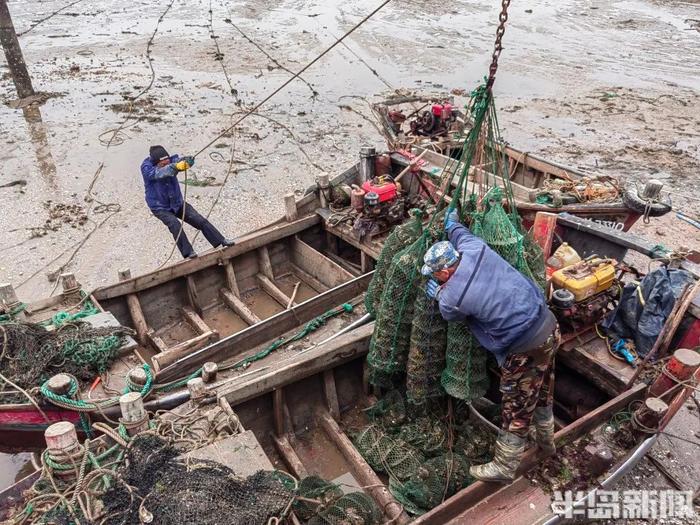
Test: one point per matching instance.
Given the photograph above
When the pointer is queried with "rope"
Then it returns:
(69, 402)
(309, 327)
(295, 76)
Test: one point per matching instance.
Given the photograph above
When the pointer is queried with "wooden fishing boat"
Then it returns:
(303, 405)
(235, 301)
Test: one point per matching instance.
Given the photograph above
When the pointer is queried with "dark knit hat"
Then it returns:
(157, 153)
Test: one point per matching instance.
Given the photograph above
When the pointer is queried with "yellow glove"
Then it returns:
(181, 166)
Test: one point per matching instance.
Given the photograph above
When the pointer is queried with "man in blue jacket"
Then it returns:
(164, 198)
(508, 315)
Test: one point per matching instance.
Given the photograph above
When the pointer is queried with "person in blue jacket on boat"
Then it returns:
(508, 315)
(163, 196)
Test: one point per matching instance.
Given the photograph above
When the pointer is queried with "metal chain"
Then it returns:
(502, 18)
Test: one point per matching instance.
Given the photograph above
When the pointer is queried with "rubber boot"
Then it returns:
(543, 421)
(509, 451)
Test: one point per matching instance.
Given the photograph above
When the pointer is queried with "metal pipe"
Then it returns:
(359, 322)
(367, 155)
(623, 469)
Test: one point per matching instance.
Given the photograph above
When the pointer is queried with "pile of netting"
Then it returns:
(31, 354)
(425, 456)
(412, 347)
(155, 485)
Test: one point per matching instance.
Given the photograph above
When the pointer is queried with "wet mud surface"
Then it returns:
(609, 87)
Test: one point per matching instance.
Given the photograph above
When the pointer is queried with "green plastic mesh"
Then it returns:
(316, 494)
(465, 375)
(427, 434)
(388, 349)
(426, 354)
(437, 479)
(474, 442)
(400, 237)
(388, 454)
(389, 411)
(355, 508)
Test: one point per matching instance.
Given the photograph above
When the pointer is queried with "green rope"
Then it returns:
(167, 387)
(68, 401)
(309, 327)
(62, 318)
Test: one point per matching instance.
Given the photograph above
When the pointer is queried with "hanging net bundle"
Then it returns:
(388, 454)
(465, 375)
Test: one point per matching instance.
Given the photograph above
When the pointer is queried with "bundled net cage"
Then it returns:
(316, 494)
(474, 442)
(437, 479)
(465, 375)
(400, 237)
(426, 354)
(386, 453)
(356, 508)
(31, 354)
(428, 434)
(388, 349)
(156, 487)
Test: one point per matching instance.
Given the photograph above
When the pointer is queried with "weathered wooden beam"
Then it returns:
(238, 306)
(344, 348)
(195, 321)
(362, 471)
(331, 394)
(290, 207)
(366, 263)
(265, 263)
(155, 340)
(244, 244)
(309, 279)
(278, 411)
(271, 328)
(289, 456)
(272, 290)
(311, 260)
(231, 281)
(192, 295)
(163, 359)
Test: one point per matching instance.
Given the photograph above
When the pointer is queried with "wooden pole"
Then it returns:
(13, 53)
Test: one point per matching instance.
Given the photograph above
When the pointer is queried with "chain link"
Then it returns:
(502, 19)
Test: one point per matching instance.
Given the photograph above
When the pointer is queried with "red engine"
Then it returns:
(384, 188)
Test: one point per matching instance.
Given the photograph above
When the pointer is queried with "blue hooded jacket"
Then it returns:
(502, 307)
(162, 187)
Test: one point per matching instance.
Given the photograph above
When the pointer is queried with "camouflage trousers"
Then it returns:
(527, 382)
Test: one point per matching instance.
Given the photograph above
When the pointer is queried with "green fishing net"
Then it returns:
(465, 375)
(436, 480)
(426, 354)
(355, 508)
(400, 237)
(386, 453)
(316, 493)
(388, 349)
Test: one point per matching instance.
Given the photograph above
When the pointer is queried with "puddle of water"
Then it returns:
(14, 467)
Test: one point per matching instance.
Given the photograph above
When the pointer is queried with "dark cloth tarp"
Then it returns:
(640, 320)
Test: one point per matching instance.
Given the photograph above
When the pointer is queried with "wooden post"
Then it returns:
(331, 393)
(209, 371)
(290, 207)
(323, 186)
(192, 295)
(13, 53)
(265, 264)
(135, 311)
(231, 281)
(9, 300)
(59, 384)
(648, 416)
(138, 376)
(69, 284)
(197, 389)
(134, 415)
(278, 411)
(61, 437)
(366, 263)
(680, 367)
